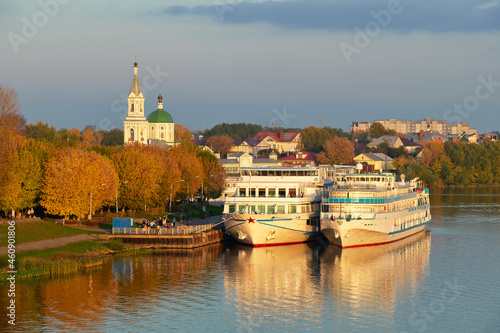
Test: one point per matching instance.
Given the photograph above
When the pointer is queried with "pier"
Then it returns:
(180, 237)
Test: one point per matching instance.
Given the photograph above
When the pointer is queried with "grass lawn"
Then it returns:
(95, 245)
(39, 230)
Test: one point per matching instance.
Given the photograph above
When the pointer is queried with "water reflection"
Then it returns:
(368, 281)
(265, 283)
(130, 287)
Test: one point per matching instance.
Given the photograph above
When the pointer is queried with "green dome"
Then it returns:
(160, 116)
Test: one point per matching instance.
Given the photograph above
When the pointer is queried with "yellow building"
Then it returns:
(374, 161)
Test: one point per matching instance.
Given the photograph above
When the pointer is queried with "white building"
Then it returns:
(159, 125)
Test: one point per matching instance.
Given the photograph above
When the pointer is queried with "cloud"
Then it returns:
(424, 15)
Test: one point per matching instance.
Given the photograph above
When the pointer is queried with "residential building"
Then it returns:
(282, 142)
(301, 158)
(487, 137)
(423, 138)
(235, 161)
(393, 141)
(413, 126)
(374, 161)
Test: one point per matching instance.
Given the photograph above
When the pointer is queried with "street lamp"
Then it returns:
(202, 195)
(171, 189)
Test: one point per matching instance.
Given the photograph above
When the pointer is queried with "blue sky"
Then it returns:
(286, 63)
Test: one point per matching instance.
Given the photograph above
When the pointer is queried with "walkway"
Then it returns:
(47, 243)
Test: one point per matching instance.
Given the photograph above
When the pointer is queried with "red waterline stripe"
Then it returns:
(373, 244)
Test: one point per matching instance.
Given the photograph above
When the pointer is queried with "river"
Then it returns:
(446, 279)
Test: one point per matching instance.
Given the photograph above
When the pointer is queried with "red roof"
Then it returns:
(280, 137)
(306, 156)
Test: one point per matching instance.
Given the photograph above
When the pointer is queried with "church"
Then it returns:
(157, 128)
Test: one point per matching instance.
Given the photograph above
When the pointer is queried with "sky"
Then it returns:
(285, 63)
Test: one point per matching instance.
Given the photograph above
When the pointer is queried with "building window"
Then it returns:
(162, 135)
(161, 128)
(132, 138)
(132, 107)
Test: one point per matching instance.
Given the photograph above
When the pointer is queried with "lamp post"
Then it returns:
(202, 194)
(171, 189)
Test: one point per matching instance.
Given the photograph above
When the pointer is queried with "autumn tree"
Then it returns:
(338, 150)
(182, 133)
(88, 137)
(214, 174)
(221, 144)
(139, 173)
(23, 178)
(12, 142)
(42, 132)
(190, 167)
(313, 138)
(77, 182)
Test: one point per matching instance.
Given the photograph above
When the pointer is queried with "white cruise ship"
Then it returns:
(370, 209)
(275, 205)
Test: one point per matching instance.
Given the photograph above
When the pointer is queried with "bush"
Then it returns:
(116, 245)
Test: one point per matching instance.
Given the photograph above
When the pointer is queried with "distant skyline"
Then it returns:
(286, 63)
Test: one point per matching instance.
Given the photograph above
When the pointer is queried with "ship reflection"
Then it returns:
(273, 284)
(309, 284)
(368, 280)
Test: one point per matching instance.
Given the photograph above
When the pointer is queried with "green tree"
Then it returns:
(42, 132)
(113, 137)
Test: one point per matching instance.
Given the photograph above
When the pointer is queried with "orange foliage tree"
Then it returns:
(221, 144)
(338, 150)
(73, 177)
(182, 133)
(139, 174)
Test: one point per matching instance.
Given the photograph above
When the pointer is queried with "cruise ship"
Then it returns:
(275, 205)
(370, 209)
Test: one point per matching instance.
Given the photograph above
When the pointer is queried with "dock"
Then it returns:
(180, 237)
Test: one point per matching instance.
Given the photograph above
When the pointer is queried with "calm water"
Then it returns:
(446, 279)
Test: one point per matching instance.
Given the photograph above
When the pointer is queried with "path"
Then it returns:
(47, 243)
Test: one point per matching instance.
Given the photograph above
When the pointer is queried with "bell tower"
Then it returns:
(135, 124)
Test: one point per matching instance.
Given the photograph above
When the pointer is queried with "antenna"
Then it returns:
(319, 121)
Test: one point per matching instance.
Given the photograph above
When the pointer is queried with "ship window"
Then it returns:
(252, 209)
(272, 192)
(292, 209)
(264, 172)
(242, 209)
(270, 209)
(282, 192)
(252, 192)
(261, 209)
(293, 173)
(292, 192)
(243, 192)
(300, 173)
(271, 173)
(281, 209)
(231, 208)
(262, 192)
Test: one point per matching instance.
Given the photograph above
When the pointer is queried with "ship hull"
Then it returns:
(352, 233)
(259, 230)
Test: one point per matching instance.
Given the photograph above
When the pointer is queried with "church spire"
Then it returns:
(136, 88)
(160, 102)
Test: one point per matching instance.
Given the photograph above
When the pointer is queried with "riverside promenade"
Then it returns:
(200, 232)
(182, 236)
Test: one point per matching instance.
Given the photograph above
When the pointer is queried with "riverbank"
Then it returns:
(46, 248)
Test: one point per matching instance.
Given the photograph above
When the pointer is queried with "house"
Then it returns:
(235, 161)
(423, 138)
(374, 161)
(301, 158)
(487, 137)
(282, 142)
(393, 141)
(411, 147)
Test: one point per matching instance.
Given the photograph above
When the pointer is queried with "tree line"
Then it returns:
(453, 163)
(72, 173)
